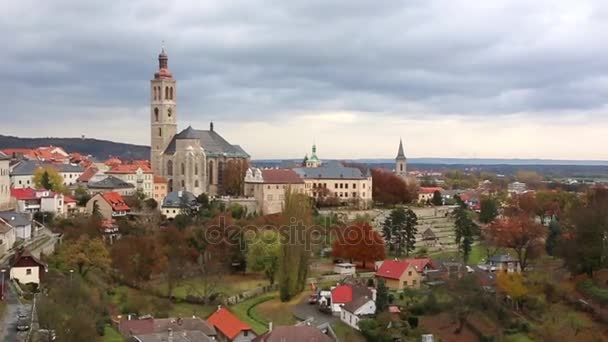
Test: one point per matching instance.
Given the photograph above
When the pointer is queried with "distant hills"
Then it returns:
(100, 149)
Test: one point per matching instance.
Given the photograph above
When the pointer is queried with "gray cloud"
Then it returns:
(259, 59)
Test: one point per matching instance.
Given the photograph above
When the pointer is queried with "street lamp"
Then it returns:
(2, 294)
(71, 273)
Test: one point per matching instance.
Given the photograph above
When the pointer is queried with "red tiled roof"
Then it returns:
(227, 323)
(116, 201)
(419, 264)
(29, 193)
(68, 199)
(88, 174)
(136, 326)
(429, 190)
(342, 294)
(25, 151)
(129, 168)
(159, 179)
(113, 161)
(281, 176)
(393, 309)
(392, 269)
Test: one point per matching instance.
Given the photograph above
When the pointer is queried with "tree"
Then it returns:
(48, 178)
(178, 255)
(390, 189)
(583, 246)
(82, 196)
(293, 262)
(400, 230)
(381, 296)
(465, 231)
(85, 254)
(489, 210)
(137, 258)
(359, 242)
(263, 254)
(234, 177)
(555, 232)
(519, 233)
(513, 285)
(203, 200)
(437, 198)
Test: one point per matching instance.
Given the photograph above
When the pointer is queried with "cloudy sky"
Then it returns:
(453, 78)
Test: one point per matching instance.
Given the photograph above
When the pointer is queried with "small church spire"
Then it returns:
(400, 153)
(163, 59)
(211, 126)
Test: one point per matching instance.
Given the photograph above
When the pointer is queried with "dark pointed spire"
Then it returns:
(400, 153)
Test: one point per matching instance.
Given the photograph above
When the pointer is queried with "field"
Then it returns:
(230, 284)
(478, 254)
(112, 335)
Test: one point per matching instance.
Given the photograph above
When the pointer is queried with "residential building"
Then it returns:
(347, 185)
(401, 162)
(140, 176)
(29, 200)
(229, 328)
(21, 223)
(7, 238)
(5, 182)
(90, 174)
(298, 333)
(160, 189)
(108, 204)
(112, 184)
(150, 329)
(516, 188)
(268, 187)
(175, 202)
(356, 310)
(425, 194)
(109, 230)
(346, 293)
(26, 268)
(192, 160)
(22, 174)
(399, 275)
(504, 263)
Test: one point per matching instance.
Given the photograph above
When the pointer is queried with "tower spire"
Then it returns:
(400, 153)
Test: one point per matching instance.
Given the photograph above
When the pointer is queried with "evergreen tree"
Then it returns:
(437, 198)
(399, 230)
(46, 180)
(381, 296)
(489, 210)
(465, 231)
(555, 231)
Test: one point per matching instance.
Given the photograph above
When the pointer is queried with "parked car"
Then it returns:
(23, 324)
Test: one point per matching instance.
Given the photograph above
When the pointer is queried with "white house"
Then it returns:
(21, 223)
(356, 310)
(26, 268)
(5, 181)
(22, 174)
(345, 294)
(7, 237)
(31, 201)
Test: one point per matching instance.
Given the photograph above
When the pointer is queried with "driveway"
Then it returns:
(8, 323)
(304, 311)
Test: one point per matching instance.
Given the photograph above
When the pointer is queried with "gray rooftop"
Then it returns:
(4, 156)
(502, 258)
(356, 303)
(16, 219)
(29, 167)
(176, 336)
(213, 143)
(110, 182)
(176, 199)
(330, 170)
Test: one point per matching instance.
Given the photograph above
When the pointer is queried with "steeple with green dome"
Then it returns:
(313, 161)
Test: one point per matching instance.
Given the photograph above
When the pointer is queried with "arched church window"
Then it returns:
(196, 183)
(196, 169)
(210, 172)
(170, 185)
(166, 93)
(183, 169)
(155, 93)
(160, 132)
(401, 167)
(156, 114)
(171, 93)
(183, 185)
(170, 168)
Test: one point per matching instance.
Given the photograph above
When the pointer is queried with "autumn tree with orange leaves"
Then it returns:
(359, 242)
(390, 189)
(519, 233)
(137, 259)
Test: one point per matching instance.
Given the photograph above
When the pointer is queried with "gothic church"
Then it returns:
(191, 160)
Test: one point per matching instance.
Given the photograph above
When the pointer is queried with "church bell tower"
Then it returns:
(401, 162)
(163, 114)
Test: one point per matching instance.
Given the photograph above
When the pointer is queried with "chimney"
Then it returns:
(269, 326)
(211, 126)
(219, 307)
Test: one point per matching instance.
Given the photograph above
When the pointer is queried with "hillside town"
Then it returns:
(202, 243)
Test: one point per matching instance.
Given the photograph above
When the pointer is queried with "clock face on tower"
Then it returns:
(169, 112)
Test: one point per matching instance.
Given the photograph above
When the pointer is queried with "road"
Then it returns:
(8, 323)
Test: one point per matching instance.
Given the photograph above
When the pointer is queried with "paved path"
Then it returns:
(304, 311)
(8, 323)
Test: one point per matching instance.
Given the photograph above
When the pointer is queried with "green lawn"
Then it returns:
(246, 312)
(478, 253)
(228, 284)
(517, 338)
(112, 335)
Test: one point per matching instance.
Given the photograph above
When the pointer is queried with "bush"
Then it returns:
(391, 298)
(100, 327)
(370, 282)
(413, 321)
(598, 294)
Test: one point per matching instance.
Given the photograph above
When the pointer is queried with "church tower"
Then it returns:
(401, 162)
(163, 116)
